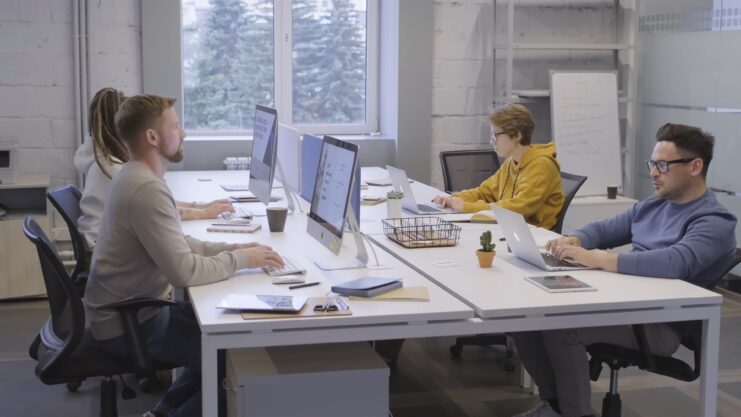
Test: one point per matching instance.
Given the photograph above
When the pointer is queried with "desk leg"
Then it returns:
(709, 376)
(209, 376)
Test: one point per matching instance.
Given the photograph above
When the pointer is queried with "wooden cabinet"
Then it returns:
(20, 271)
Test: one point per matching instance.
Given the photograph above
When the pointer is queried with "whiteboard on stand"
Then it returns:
(584, 116)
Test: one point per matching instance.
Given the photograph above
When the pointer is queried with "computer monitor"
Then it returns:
(264, 147)
(311, 149)
(330, 201)
(289, 157)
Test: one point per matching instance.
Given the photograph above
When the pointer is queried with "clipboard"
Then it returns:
(416, 294)
(307, 311)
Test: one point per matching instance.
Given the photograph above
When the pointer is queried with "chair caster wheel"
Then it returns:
(73, 386)
(455, 351)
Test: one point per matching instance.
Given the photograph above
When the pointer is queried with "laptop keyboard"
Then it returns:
(551, 260)
(427, 209)
(290, 267)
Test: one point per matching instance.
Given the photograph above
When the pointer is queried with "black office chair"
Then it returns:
(617, 357)
(467, 169)
(570, 183)
(66, 200)
(68, 353)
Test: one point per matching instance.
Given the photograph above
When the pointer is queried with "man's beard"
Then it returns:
(175, 157)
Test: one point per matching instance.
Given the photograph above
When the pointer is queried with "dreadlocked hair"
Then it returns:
(107, 146)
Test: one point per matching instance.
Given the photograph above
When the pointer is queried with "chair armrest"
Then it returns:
(136, 304)
(128, 310)
(649, 363)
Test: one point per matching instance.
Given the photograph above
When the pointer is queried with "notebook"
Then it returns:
(234, 228)
(367, 286)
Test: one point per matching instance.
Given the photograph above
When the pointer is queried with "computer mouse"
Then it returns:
(289, 279)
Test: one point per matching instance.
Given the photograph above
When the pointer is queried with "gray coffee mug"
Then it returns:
(277, 218)
(612, 192)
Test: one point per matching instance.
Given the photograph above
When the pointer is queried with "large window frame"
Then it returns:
(283, 76)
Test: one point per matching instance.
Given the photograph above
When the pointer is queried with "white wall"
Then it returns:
(36, 71)
(37, 74)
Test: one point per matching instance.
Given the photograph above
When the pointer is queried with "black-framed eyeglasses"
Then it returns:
(663, 166)
(495, 134)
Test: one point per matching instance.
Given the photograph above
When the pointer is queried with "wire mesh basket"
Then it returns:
(421, 232)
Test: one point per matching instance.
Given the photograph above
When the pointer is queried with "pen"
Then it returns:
(308, 284)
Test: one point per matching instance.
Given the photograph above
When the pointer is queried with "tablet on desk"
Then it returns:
(560, 283)
(264, 303)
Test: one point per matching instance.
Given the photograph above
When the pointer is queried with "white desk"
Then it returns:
(501, 299)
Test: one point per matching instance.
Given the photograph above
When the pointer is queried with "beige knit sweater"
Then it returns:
(141, 250)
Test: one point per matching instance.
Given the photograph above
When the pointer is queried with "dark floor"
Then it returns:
(426, 382)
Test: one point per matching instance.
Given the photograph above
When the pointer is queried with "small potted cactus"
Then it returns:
(393, 204)
(486, 253)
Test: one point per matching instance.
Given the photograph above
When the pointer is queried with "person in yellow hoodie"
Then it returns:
(529, 180)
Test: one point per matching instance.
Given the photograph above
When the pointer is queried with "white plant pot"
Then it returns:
(393, 208)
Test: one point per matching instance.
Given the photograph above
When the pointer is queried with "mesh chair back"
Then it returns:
(66, 200)
(571, 184)
(64, 330)
(467, 169)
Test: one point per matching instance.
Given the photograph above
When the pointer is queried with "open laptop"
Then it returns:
(521, 242)
(400, 181)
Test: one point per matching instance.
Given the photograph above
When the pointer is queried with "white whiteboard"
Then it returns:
(584, 116)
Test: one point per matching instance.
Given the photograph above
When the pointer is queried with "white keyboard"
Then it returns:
(289, 267)
(242, 213)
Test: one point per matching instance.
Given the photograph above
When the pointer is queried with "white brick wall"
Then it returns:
(36, 69)
(37, 74)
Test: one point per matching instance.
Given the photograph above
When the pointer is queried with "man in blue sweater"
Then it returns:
(680, 233)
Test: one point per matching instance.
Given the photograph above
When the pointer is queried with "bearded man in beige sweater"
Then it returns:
(141, 252)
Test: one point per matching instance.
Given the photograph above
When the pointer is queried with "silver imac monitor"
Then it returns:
(289, 157)
(264, 148)
(330, 203)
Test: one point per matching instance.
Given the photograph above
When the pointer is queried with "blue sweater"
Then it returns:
(694, 241)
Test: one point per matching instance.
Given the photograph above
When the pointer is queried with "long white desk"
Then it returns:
(501, 299)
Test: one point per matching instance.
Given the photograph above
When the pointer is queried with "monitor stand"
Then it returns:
(361, 259)
(290, 195)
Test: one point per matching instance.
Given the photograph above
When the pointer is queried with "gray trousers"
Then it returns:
(557, 359)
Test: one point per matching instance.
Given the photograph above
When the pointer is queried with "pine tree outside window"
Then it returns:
(313, 60)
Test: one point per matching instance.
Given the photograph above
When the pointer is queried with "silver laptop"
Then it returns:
(521, 242)
(400, 181)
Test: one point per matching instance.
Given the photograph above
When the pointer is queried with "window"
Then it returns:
(313, 60)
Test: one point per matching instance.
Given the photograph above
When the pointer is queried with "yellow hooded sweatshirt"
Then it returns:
(531, 187)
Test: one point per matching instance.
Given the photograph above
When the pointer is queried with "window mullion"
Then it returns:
(283, 59)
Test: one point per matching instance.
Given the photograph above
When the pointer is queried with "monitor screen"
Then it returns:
(311, 149)
(334, 182)
(264, 146)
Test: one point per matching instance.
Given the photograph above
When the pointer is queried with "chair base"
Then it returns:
(507, 363)
(108, 402)
(611, 405)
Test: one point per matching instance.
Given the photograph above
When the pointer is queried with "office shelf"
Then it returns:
(620, 49)
(566, 46)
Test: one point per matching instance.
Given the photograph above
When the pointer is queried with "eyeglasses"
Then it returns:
(663, 166)
(495, 134)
